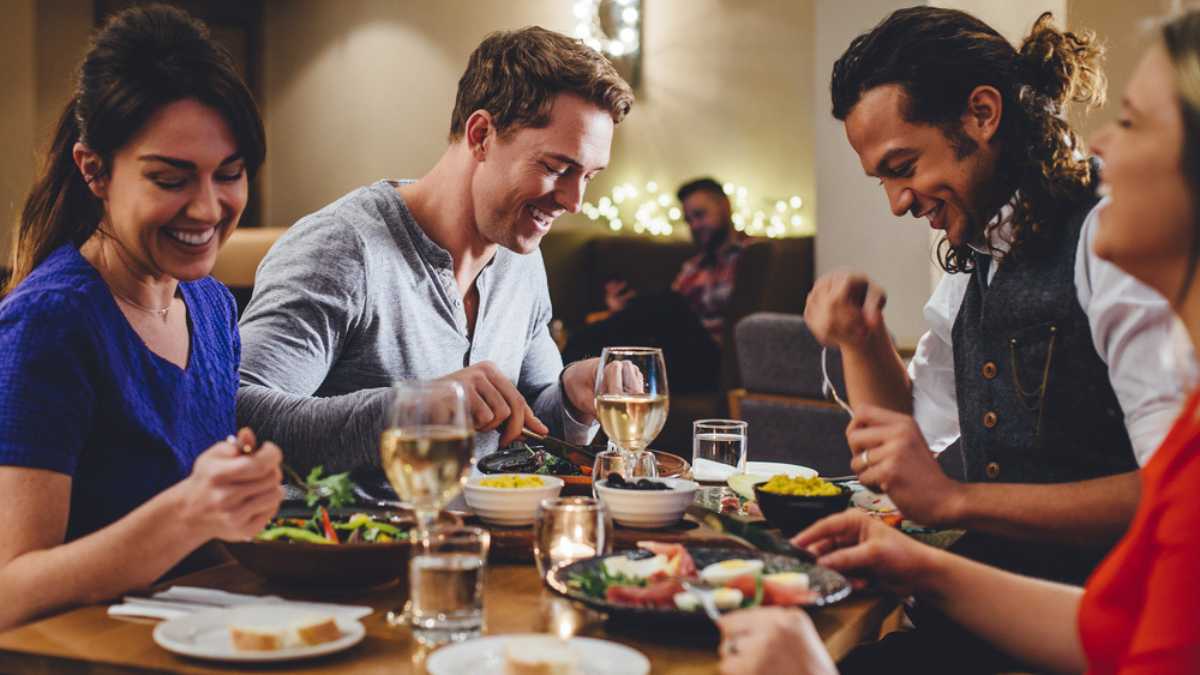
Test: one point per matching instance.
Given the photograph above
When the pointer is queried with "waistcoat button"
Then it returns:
(989, 370)
(993, 470)
(989, 419)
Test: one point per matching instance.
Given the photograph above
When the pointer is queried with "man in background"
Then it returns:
(688, 320)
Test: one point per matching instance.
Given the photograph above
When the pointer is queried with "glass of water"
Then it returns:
(719, 449)
(445, 580)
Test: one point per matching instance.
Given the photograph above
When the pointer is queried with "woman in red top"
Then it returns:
(1139, 611)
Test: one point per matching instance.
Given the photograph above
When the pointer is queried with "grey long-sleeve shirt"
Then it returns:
(356, 297)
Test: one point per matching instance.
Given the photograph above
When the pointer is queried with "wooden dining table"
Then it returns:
(87, 640)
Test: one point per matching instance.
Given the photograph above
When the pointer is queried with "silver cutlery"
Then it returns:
(706, 597)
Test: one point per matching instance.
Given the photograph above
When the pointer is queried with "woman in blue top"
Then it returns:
(119, 366)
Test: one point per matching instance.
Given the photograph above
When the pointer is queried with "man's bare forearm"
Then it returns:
(1092, 512)
(875, 375)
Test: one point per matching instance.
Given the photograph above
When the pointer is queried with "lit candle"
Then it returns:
(566, 550)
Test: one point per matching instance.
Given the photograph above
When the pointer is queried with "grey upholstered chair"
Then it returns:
(782, 399)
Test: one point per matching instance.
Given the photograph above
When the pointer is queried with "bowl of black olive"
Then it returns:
(646, 503)
(618, 482)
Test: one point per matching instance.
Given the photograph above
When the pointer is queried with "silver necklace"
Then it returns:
(160, 313)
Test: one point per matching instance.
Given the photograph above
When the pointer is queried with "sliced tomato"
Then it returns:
(658, 594)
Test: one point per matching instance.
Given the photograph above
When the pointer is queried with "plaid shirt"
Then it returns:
(707, 283)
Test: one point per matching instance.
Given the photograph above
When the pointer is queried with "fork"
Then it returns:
(705, 596)
(289, 472)
(827, 387)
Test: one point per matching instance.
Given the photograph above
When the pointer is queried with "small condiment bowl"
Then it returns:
(648, 509)
(793, 513)
(511, 507)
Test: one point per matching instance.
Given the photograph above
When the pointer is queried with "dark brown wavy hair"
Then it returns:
(939, 56)
(142, 59)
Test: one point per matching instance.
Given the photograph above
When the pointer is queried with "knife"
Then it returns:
(579, 455)
(755, 534)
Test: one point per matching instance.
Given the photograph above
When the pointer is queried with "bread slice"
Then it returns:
(256, 638)
(540, 655)
(316, 630)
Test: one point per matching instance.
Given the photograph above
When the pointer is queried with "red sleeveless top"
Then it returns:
(1141, 608)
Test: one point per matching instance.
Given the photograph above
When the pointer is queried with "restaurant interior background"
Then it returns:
(357, 90)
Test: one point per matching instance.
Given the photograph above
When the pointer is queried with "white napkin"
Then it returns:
(179, 601)
(146, 611)
(708, 470)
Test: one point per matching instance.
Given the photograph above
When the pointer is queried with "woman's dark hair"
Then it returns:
(141, 60)
(1181, 37)
(939, 56)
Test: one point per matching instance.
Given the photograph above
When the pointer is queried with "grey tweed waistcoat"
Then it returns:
(1035, 403)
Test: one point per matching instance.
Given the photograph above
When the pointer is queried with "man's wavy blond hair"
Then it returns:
(516, 75)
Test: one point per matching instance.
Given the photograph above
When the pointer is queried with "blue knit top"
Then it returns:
(82, 394)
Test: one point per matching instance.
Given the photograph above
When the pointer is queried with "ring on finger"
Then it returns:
(866, 459)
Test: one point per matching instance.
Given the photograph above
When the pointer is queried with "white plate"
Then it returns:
(205, 635)
(485, 656)
(761, 472)
(873, 502)
(768, 469)
(715, 472)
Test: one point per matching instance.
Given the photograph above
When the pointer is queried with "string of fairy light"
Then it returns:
(624, 38)
(646, 210)
(652, 212)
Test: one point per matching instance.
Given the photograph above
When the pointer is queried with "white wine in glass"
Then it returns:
(426, 453)
(426, 449)
(632, 420)
(631, 396)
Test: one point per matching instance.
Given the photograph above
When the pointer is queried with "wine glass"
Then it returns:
(427, 447)
(631, 398)
(613, 461)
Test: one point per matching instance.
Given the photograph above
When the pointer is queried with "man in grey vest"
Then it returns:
(439, 278)
(1040, 380)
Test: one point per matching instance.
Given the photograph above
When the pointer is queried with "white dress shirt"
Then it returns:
(1132, 328)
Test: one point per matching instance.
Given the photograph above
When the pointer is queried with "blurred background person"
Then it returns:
(688, 320)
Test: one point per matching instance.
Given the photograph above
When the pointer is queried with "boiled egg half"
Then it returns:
(636, 569)
(719, 574)
(723, 598)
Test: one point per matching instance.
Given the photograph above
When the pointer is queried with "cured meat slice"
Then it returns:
(784, 595)
(681, 561)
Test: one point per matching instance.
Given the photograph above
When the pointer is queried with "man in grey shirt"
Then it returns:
(439, 278)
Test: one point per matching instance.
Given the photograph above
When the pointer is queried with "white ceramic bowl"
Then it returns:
(648, 509)
(509, 506)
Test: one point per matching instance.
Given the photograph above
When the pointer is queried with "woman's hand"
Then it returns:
(855, 543)
(232, 494)
(769, 640)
